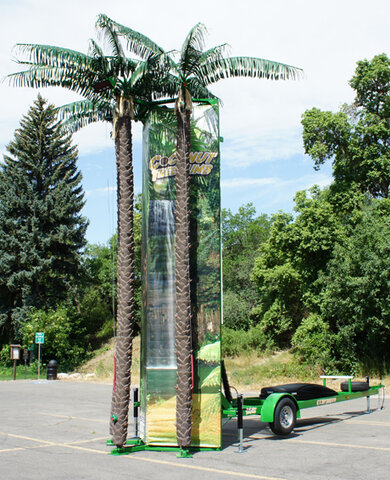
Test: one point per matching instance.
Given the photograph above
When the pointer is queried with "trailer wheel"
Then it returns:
(285, 417)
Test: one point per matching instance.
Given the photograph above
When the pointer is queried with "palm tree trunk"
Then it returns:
(125, 283)
(183, 301)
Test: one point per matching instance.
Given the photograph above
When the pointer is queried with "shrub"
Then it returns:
(63, 334)
(236, 342)
(313, 341)
(236, 311)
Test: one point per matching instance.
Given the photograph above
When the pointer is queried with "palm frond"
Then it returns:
(198, 89)
(157, 66)
(195, 39)
(169, 88)
(77, 115)
(192, 49)
(94, 50)
(214, 54)
(107, 31)
(248, 67)
(52, 56)
(210, 352)
(41, 77)
(137, 43)
(213, 379)
(38, 77)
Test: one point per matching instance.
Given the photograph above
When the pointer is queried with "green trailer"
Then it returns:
(280, 406)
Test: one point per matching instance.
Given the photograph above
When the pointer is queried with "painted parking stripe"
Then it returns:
(23, 437)
(327, 444)
(47, 444)
(338, 445)
(12, 449)
(77, 442)
(375, 424)
(204, 469)
(70, 417)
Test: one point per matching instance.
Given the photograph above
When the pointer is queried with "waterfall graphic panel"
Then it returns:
(158, 362)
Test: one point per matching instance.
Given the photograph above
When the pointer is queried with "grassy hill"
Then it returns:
(247, 373)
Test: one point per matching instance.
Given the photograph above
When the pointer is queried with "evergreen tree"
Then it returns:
(41, 228)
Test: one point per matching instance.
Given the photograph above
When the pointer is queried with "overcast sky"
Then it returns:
(262, 155)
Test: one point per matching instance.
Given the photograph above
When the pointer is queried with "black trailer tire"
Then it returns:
(355, 386)
(285, 417)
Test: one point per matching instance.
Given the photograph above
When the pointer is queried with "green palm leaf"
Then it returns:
(137, 43)
(54, 56)
(248, 67)
(210, 352)
(95, 50)
(77, 115)
(155, 66)
(213, 379)
(214, 54)
(198, 89)
(195, 40)
(192, 49)
(106, 30)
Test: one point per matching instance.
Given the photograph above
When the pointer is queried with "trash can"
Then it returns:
(52, 369)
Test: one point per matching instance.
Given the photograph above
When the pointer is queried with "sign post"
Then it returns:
(15, 355)
(39, 339)
(25, 358)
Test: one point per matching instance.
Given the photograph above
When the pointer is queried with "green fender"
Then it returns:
(269, 405)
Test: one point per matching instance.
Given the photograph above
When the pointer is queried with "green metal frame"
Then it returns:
(266, 408)
(137, 445)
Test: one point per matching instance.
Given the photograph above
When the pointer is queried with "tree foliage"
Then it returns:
(42, 230)
(355, 294)
(356, 139)
(243, 233)
(322, 276)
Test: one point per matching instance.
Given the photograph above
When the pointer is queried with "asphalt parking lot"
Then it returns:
(58, 430)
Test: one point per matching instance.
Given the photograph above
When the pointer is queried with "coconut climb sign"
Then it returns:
(162, 166)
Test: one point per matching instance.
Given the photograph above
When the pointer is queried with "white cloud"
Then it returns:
(244, 149)
(268, 194)
(233, 183)
(100, 191)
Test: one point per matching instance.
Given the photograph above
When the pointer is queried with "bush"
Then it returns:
(236, 311)
(236, 342)
(63, 335)
(5, 360)
(97, 317)
(313, 341)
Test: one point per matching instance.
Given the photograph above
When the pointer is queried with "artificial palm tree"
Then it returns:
(195, 70)
(114, 89)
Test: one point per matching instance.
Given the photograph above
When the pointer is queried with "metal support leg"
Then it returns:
(135, 411)
(240, 424)
(368, 398)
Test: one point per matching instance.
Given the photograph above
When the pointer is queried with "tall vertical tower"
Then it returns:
(158, 360)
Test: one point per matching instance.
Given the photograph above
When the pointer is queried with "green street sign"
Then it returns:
(40, 337)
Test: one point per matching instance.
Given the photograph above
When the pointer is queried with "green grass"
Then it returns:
(253, 371)
(7, 373)
(248, 371)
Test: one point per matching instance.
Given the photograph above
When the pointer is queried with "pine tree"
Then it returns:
(41, 228)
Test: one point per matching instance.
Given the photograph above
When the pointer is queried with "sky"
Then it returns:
(262, 156)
